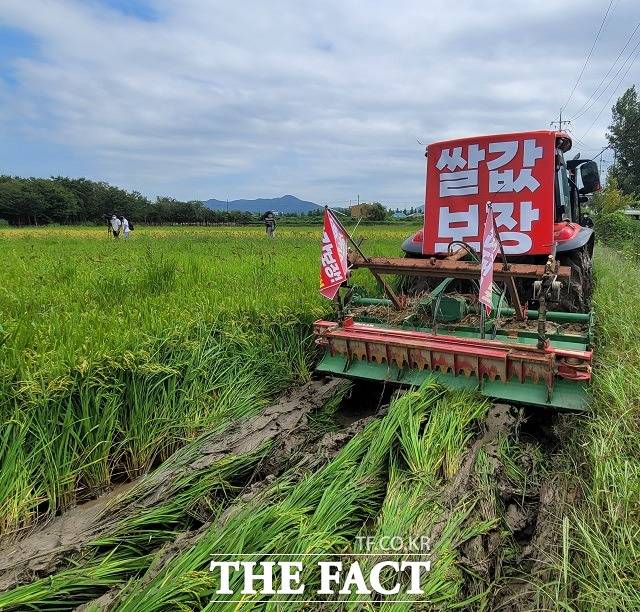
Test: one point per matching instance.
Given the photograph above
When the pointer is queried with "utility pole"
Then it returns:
(358, 199)
(227, 203)
(560, 122)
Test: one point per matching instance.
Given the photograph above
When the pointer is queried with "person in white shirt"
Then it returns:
(125, 228)
(115, 226)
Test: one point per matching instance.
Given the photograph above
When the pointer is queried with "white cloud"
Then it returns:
(324, 100)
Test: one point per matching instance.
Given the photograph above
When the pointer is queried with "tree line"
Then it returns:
(37, 201)
(624, 141)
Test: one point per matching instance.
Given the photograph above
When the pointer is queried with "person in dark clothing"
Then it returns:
(115, 226)
(270, 223)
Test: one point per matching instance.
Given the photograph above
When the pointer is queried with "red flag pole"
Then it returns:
(510, 281)
(333, 238)
(390, 294)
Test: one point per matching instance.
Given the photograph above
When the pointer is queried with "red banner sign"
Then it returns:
(333, 260)
(513, 171)
(490, 249)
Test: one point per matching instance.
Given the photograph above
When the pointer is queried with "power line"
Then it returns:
(586, 61)
(559, 122)
(577, 140)
(617, 87)
(583, 145)
(582, 110)
(613, 78)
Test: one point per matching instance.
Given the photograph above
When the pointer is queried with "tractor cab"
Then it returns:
(574, 180)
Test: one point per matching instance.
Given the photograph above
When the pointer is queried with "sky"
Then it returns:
(327, 100)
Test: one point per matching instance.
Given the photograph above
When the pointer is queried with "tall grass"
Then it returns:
(114, 354)
(596, 567)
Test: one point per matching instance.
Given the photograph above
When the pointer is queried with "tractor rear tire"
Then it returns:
(577, 296)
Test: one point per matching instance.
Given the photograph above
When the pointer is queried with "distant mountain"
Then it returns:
(285, 204)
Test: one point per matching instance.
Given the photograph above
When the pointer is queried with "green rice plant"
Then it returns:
(56, 451)
(439, 448)
(115, 355)
(444, 583)
(97, 410)
(286, 525)
(318, 515)
(148, 418)
(596, 569)
(226, 311)
(112, 288)
(413, 504)
(82, 582)
(123, 548)
(159, 272)
(126, 415)
(18, 497)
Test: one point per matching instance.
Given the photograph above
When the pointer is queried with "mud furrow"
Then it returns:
(315, 454)
(46, 548)
(511, 472)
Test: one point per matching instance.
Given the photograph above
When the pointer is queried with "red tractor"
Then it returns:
(531, 343)
(561, 198)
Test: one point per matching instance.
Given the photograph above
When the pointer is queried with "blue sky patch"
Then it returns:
(14, 44)
(137, 8)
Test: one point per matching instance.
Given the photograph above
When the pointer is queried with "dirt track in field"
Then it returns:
(525, 519)
(284, 425)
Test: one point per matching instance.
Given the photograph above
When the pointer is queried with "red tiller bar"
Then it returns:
(444, 268)
(490, 359)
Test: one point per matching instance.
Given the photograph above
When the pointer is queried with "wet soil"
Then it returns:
(526, 537)
(283, 425)
(363, 400)
(42, 550)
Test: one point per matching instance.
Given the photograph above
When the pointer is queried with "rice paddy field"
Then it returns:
(157, 409)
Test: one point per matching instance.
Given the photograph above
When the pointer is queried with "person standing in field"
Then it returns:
(115, 226)
(125, 227)
(270, 223)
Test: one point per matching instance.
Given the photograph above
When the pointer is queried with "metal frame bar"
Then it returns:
(484, 359)
(444, 268)
(390, 293)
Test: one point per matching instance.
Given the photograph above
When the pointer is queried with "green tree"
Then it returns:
(34, 201)
(19, 204)
(611, 199)
(59, 204)
(377, 212)
(624, 139)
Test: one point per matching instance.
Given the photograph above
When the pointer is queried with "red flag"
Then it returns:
(490, 249)
(333, 261)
